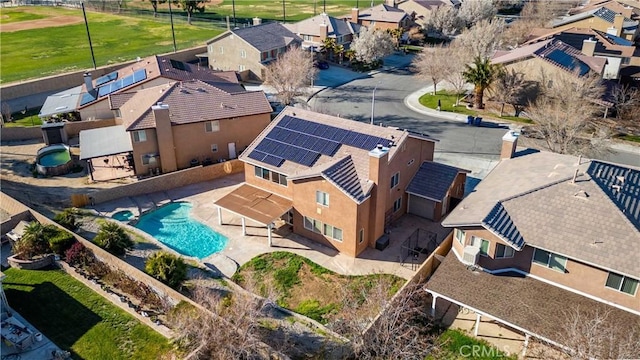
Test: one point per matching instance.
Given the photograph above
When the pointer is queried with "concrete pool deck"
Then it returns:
(240, 249)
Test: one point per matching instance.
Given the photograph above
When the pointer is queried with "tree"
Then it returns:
(509, 88)
(34, 240)
(67, 218)
(372, 45)
(626, 101)
(154, 4)
(166, 267)
(458, 59)
(433, 63)
(444, 20)
(396, 34)
(565, 111)
(329, 47)
(481, 74)
(113, 238)
(191, 6)
(484, 38)
(290, 74)
(416, 35)
(472, 12)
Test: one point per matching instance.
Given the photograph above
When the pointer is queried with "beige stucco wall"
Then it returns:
(422, 14)
(533, 68)
(230, 58)
(150, 146)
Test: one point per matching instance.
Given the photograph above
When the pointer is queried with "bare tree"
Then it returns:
(290, 74)
(565, 111)
(444, 20)
(483, 38)
(415, 35)
(459, 57)
(433, 63)
(384, 328)
(512, 88)
(472, 12)
(627, 101)
(372, 45)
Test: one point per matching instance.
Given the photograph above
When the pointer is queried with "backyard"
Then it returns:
(78, 319)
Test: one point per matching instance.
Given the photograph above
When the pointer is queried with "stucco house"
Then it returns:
(340, 182)
(248, 50)
(604, 19)
(420, 10)
(541, 236)
(315, 30)
(381, 17)
(91, 99)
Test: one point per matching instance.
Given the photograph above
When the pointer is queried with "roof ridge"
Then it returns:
(538, 188)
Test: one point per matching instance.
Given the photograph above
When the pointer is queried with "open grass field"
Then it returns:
(79, 320)
(39, 52)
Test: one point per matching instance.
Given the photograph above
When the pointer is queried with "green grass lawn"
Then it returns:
(16, 15)
(455, 344)
(41, 52)
(78, 319)
(448, 100)
(29, 118)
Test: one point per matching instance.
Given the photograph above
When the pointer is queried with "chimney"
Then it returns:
(324, 31)
(355, 14)
(617, 23)
(257, 21)
(88, 82)
(228, 23)
(509, 144)
(164, 134)
(391, 3)
(380, 176)
(589, 46)
(627, 12)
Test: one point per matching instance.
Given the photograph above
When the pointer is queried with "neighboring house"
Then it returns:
(315, 30)
(340, 182)
(541, 236)
(549, 56)
(619, 52)
(248, 50)
(420, 10)
(182, 124)
(630, 9)
(383, 17)
(603, 19)
(90, 100)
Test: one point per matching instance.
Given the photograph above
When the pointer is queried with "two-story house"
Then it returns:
(542, 236)
(91, 100)
(421, 10)
(603, 19)
(315, 30)
(248, 50)
(381, 17)
(340, 182)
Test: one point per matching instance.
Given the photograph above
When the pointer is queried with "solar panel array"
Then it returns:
(109, 88)
(105, 79)
(303, 141)
(179, 65)
(562, 58)
(87, 98)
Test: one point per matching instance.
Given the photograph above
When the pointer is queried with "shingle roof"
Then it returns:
(606, 43)
(335, 27)
(192, 101)
(382, 13)
(264, 37)
(433, 180)
(343, 175)
(181, 71)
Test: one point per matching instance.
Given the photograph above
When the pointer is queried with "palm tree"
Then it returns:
(113, 238)
(35, 240)
(328, 46)
(481, 74)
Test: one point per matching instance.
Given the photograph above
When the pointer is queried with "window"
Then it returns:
(241, 68)
(212, 126)
(308, 223)
(221, 50)
(243, 54)
(274, 53)
(397, 204)
(410, 162)
(317, 226)
(482, 244)
(214, 147)
(361, 236)
(337, 234)
(210, 48)
(395, 179)
(328, 230)
(278, 178)
(117, 113)
(550, 260)
(503, 251)
(307, 37)
(149, 159)
(265, 55)
(622, 283)
(460, 236)
(262, 173)
(322, 198)
(139, 136)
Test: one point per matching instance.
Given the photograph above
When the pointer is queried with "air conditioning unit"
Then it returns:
(470, 255)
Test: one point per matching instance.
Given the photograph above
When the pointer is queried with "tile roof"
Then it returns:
(335, 27)
(530, 304)
(606, 43)
(343, 175)
(192, 101)
(532, 199)
(603, 13)
(382, 13)
(433, 180)
(263, 37)
(432, 4)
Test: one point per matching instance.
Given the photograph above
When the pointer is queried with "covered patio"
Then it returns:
(108, 152)
(256, 204)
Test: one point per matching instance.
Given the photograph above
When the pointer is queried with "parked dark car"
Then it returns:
(322, 65)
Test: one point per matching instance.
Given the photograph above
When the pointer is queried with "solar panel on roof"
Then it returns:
(179, 65)
(86, 98)
(619, 41)
(562, 58)
(105, 79)
(109, 88)
(266, 158)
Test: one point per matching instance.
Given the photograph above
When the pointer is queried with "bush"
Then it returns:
(113, 238)
(60, 243)
(311, 308)
(67, 218)
(168, 268)
(79, 255)
(35, 240)
(98, 269)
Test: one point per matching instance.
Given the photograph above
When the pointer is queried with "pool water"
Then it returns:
(123, 216)
(55, 158)
(173, 226)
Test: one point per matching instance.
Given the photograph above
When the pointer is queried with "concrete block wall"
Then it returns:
(21, 133)
(11, 223)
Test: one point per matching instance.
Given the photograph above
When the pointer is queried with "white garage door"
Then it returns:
(421, 207)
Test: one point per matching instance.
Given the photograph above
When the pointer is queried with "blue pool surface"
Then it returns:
(123, 216)
(173, 226)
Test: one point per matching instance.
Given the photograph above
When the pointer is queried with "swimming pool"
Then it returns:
(173, 226)
(123, 216)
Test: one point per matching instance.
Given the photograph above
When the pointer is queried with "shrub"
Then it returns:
(79, 255)
(113, 238)
(168, 268)
(60, 243)
(98, 269)
(35, 240)
(67, 218)
(311, 308)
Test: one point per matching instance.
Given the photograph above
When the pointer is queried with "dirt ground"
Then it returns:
(44, 194)
(41, 23)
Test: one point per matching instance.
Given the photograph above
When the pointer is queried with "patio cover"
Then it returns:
(62, 102)
(256, 204)
(104, 141)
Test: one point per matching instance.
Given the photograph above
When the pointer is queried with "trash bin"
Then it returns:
(469, 119)
(477, 121)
